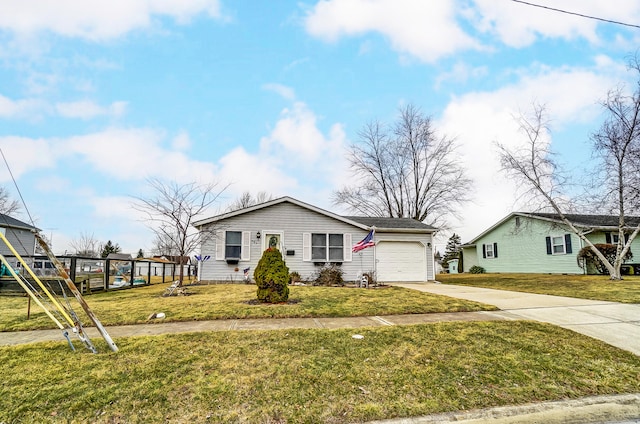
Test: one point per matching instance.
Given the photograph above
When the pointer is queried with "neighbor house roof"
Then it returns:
(595, 222)
(9, 222)
(119, 257)
(365, 223)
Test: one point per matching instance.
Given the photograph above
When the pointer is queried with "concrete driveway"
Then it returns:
(617, 324)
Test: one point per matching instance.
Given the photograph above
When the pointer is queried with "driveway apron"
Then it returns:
(617, 324)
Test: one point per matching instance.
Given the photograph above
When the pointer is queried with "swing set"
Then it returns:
(57, 307)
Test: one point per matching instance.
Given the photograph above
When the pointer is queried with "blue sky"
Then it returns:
(97, 97)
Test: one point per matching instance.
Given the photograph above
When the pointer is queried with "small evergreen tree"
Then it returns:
(272, 277)
(140, 254)
(452, 251)
(110, 248)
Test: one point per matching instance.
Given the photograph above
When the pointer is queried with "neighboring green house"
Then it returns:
(540, 243)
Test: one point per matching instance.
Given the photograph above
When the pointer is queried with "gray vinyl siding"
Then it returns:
(292, 221)
(22, 241)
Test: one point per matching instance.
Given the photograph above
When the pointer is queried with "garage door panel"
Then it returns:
(401, 261)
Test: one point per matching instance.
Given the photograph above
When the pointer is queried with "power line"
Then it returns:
(576, 14)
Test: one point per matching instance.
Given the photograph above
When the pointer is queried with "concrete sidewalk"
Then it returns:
(159, 327)
(617, 324)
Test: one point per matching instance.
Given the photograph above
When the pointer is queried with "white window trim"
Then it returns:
(553, 245)
(489, 254)
(306, 247)
(347, 255)
(221, 245)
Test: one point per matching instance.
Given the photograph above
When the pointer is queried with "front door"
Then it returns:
(273, 240)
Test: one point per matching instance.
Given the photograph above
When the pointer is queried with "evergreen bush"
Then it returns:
(272, 277)
(476, 270)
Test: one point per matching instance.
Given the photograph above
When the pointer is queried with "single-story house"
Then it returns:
(540, 242)
(21, 236)
(309, 238)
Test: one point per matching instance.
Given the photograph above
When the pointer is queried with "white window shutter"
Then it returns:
(246, 246)
(306, 247)
(348, 253)
(220, 245)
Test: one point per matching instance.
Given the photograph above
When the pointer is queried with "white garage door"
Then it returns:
(401, 261)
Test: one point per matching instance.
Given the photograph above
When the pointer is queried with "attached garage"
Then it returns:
(401, 261)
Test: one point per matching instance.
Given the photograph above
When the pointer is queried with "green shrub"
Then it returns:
(272, 277)
(476, 270)
(329, 275)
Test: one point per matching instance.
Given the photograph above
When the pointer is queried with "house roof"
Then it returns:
(9, 222)
(595, 222)
(365, 223)
(119, 256)
(384, 224)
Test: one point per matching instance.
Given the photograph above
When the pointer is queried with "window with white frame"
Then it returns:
(488, 250)
(327, 247)
(336, 247)
(557, 244)
(233, 245)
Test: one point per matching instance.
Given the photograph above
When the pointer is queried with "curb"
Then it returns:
(594, 410)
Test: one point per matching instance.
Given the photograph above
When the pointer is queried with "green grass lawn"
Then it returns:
(310, 376)
(227, 301)
(595, 287)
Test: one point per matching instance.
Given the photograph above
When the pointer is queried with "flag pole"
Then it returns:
(375, 254)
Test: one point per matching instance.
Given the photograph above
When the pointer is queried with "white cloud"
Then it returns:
(461, 73)
(283, 91)
(53, 184)
(424, 29)
(87, 109)
(254, 173)
(297, 158)
(135, 154)
(182, 141)
(25, 154)
(297, 133)
(23, 109)
(519, 25)
(99, 20)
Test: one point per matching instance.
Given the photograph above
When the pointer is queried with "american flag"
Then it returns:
(364, 243)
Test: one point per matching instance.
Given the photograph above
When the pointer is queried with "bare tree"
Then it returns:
(172, 209)
(406, 170)
(164, 246)
(86, 245)
(246, 200)
(7, 205)
(615, 144)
